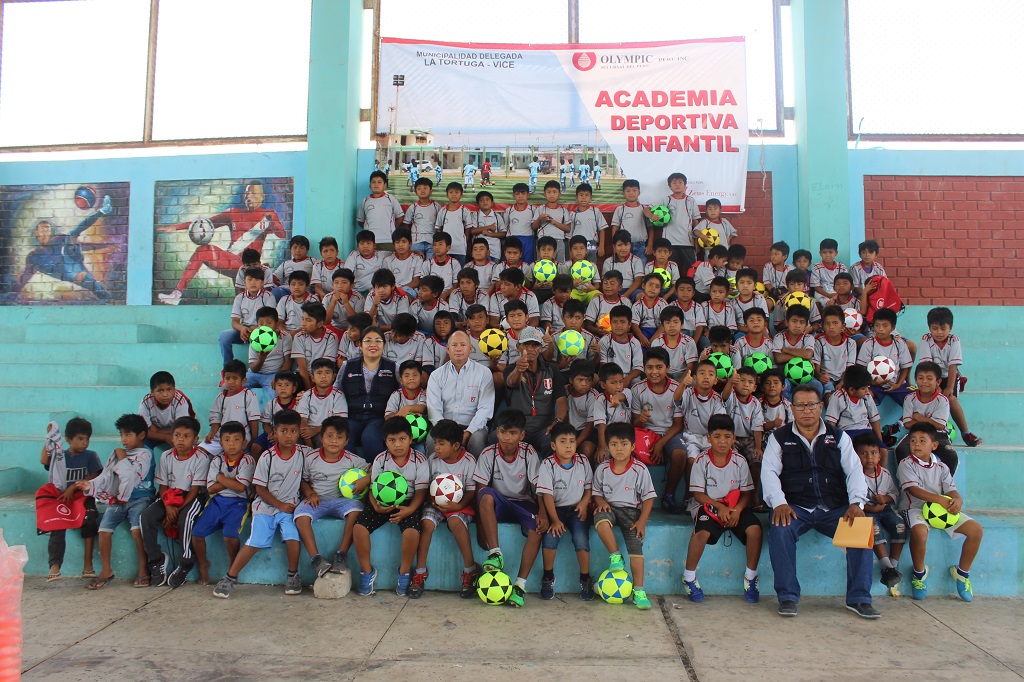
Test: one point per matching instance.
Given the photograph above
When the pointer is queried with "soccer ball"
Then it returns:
(852, 319)
(263, 339)
(938, 517)
(665, 275)
(347, 484)
(722, 363)
(882, 368)
(493, 342)
(544, 271)
(200, 231)
(419, 425)
(614, 587)
(951, 430)
(445, 488)
(390, 489)
(798, 298)
(733, 292)
(662, 216)
(759, 361)
(605, 322)
(85, 197)
(494, 587)
(570, 342)
(708, 238)
(583, 270)
(799, 370)
(760, 288)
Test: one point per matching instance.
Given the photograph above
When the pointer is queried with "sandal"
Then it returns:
(99, 583)
(141, 581)
(54, 577)
(88, 574)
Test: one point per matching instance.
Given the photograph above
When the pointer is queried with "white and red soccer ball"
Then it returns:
(883, 368)
(446, 489)
(852, 320)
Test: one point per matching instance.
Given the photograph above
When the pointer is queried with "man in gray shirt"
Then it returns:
(462, 391)
(812, 478)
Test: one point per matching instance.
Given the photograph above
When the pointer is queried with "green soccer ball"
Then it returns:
(951, 430)
(665, 275)
(494, 587)
(419, 425)
(662, 216)
(263, 339)
(544, 271)
(390, 489)
(799, 370)
(722, 363)
(583, 270)
(759, 361)
(347, 484)
(938, 517)
(570, 342)
(614, 587)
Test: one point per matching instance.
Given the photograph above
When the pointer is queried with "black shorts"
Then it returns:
(960, 382)
(91, 522)
(705, 521)
(371, 520)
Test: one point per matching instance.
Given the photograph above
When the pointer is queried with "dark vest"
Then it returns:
(363, 406)
(812, 478)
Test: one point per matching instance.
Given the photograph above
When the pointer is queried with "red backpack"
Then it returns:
(884, 296)
(53, 513)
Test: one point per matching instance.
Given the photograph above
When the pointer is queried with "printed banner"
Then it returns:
(656, 108)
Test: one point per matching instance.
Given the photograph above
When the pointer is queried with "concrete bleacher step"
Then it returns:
(83, 399)
(12, 480)
(190, 363)
(56, 374)
(189, 316)
(105, 333)
(820, 565)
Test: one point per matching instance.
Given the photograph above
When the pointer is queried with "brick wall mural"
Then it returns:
(63, 244)
(203, 226)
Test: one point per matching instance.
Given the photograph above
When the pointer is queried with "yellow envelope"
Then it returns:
(859, 536)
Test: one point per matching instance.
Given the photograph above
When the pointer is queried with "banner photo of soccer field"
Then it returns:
(644, 109)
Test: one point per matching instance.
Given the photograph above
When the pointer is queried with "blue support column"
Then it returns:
(819, 40)
(335, 56)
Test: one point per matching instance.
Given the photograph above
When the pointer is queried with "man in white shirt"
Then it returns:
(462, 391)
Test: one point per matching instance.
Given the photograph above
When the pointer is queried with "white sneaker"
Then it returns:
(173, 298)
(53, 438)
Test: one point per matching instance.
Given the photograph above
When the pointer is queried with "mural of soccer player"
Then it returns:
(61, 255)
(250, 225)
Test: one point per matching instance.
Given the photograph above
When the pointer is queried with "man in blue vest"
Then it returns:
(812, 478)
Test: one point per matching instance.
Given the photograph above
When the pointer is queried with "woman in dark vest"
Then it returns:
(367, 383)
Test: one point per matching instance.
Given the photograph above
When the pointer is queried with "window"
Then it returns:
(935, 68)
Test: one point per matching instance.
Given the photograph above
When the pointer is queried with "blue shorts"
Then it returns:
(523, 512)
(648, 331)
(335, 507)
(224, 513)
(853, 433)
(132, 510)
(578, 530)
(264, 525)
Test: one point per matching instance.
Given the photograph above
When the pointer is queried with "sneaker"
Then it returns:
(971, 441)
(864, 610)
(494, 562)
(224, 588)
(402, 584)
(418, 584)
(173, 298)
(518, 597)
(340, 563)
(547, 588)
(750, 590)
(321, 566)
(640, 599)
(920, 588)
(587, 590)
(693, 590)
(293, 585)
(890, 577)
(963, 585)
(53, 438)
(615, 562)
(668, 503)
(158, 571)
(787, 609)
(889, 432)
(366, 581)
(469, 582)
(179, 575)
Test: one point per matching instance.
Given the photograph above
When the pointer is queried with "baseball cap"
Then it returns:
(531, 335)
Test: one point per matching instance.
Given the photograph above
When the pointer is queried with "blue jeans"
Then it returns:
(264, 381)
(426, 248)
(228, 338)
(787, 392)
(368, 433)
(638, 250)
(782, 549)
(578, 531)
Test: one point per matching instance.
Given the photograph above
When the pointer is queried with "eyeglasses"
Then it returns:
(804, 407)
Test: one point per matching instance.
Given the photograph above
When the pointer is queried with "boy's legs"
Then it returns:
(55, 550)
(90, 527)
(695, 550)
(134, 510)
(427, 527)
(152, 521)
(918, 545)
(678, 465)
(227, 339)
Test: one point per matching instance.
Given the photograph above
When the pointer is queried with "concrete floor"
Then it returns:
(154, 634)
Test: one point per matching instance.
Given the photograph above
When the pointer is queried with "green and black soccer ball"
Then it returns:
(938, 516)
(390, 489)
(494, 587)
(799, 370)
(722, 363)
(263, 339)
(662, 215)
(420, 426)
(760, 363)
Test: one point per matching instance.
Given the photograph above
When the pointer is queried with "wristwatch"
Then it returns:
(861, 505)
